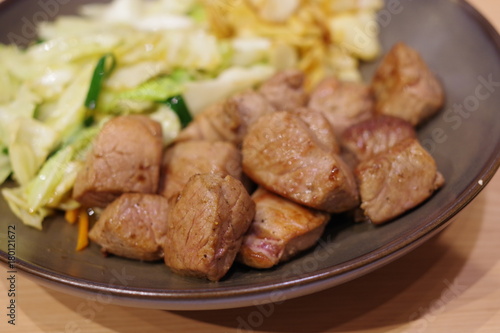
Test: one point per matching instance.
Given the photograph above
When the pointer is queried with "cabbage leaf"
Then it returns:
(201, 94)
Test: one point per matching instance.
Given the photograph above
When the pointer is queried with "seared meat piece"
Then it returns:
(126, 157)
(342, 103)
(186, 159)
(133, 226)
(285, 90)
(376, 135)
(405, 87)
(227, 121)
(397, 180)
(250, 106)
(203, 242)
(281, 153)
(320, 126)
(280, 230)
(213, 124)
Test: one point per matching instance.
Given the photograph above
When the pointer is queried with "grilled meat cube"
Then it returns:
(285, 90)
(125, 157)
(186, 159)
(405, 87)
(342, 103)
(250, 106)
(282, 154)
(133, 226)
(280, 230)
(229, 120)
(203, 242)
(323, 130)
(375, 135)
(213, 124)
(397, 180)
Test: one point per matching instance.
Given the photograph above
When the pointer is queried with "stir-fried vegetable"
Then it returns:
(104, 67)
(49, 188)
(321, 37)
(177, 104)
(83, 230)
(168, 59)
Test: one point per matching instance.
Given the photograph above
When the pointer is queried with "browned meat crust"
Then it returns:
(204, 242)
(405, 87)
(397, 180)
(280, 230)
(282, 154)
(126, 157)
(133, 226)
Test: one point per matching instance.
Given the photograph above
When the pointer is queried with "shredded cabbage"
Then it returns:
(140, 98)
(17, 204)
(8, 82)
(23, 106)
(170, 124)
(50, 187)
(32, 142)
(200, 94)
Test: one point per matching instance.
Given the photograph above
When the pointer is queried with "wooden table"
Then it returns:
(450, 284)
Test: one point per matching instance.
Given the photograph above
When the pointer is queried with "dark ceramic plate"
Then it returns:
(464, 51)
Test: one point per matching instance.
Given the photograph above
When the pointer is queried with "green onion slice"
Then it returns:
(177, 104)
(104, 67)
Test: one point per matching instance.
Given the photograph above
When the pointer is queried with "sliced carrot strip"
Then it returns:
(83, 230)
(71, 215)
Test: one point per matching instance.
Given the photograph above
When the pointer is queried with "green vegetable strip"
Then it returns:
(104, 67)
(158, 89)
(177, 104)
(40, 188)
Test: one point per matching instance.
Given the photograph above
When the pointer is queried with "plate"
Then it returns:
(460, 46)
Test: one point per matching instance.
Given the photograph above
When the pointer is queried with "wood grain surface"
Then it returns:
(450, 284)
